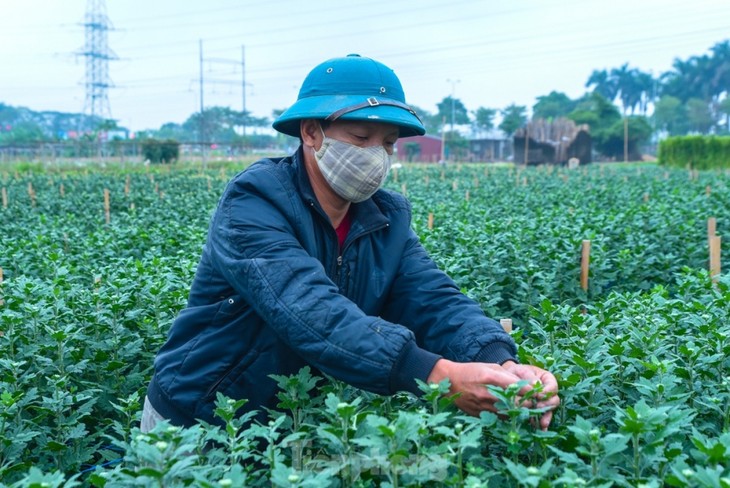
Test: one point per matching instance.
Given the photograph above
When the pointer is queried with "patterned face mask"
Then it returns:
(354, 173)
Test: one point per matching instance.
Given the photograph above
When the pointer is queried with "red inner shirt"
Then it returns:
(343, 229)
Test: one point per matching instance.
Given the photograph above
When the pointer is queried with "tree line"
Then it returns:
(691, 98)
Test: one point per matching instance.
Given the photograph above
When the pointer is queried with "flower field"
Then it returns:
(91, 281)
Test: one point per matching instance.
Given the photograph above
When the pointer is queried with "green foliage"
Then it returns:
(696, 152)
(513, 117)
(610, 140)
(641, 357)
(157, 151)
(553, 105)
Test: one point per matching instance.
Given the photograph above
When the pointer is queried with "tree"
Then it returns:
(452, 111)
(610, 141)
(603, 83)
(699, 117)
(513, 117)
(553, 105)
(484, 119)
(724, 109)
(670, 115)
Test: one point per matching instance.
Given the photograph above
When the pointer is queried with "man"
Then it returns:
(308, 262)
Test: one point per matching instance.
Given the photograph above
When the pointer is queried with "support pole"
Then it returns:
(107, 211)
(715, 267)
(585, 264)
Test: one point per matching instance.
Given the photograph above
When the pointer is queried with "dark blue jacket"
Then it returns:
(273, 293)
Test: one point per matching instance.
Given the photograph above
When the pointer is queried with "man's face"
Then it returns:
(364, 134)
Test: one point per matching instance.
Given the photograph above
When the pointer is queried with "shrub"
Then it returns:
(161, 151)
(697, 152)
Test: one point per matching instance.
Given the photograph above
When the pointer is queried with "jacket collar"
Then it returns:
(365, 215)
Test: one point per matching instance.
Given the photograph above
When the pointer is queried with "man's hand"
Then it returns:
(549, 395)
(471, 379)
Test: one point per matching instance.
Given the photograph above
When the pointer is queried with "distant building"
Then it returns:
(424, 149)
(553, 142)
(493, 147)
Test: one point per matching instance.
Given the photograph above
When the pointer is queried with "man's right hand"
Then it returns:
(471, 379)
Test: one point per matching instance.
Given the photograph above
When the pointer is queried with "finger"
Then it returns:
(545, 420)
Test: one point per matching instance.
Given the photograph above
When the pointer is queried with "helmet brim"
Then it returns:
(320, 107)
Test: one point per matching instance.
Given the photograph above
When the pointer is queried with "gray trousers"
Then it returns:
(150, 417)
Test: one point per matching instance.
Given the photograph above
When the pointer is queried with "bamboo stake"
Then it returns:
(585, 264)
(715, 242)
(5, 198)
(107, 211)
(31, 193)
(430, 221)
(506, 325)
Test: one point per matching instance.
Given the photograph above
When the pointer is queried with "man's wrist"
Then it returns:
(440, 371)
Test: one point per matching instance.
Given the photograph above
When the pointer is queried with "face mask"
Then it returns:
(354, 173)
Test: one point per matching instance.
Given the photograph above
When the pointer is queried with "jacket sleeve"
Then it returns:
(445, 321)
(253, 244)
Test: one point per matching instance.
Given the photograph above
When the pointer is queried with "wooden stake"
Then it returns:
(454, 185)
(715, 267)
(708, 190)
(395, 175)
(476, 182)
(5, 198)
(506, 325)
(2, 301)
(404, 190)
(127, 184)
(466, 197)
(711, 228)
(426, 179)
(62, 190)
(430, 221)
(31, 193)
(646, 198)
(585, 264)
(107, 211)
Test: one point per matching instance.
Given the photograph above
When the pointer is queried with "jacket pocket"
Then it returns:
(229, 306)
(229, 376)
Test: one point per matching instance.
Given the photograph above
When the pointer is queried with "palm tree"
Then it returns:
(603, 83)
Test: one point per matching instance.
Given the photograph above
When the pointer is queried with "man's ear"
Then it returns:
(310, 132)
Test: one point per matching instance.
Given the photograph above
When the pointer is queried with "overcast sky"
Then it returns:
(489, 53)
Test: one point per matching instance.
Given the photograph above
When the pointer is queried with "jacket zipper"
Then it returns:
(336, 269)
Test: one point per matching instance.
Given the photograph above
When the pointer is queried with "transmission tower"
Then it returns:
(97, 53)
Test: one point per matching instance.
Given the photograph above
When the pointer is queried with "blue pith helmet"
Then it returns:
(351, 88)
